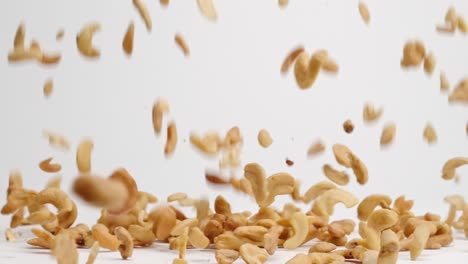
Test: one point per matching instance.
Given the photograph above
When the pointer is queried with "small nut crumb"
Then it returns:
(444, 82)
(348, 126)
(171, 139)
(364, 12)
(48, 88)
(180, 41)
(388, 134)
(430, 134)
(264, 138)
(289, 162)
(316, 148)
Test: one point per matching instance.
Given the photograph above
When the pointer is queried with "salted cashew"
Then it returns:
(457, 203)
(84, 40)
(370, 257)
(290, 58)
(342, 155)
(17, 218)
(278, 184)
(401, 205)
(317, 189)
(336, 176)
(420, 237)
(429, 63)
(46, 166)
(142, 235)
(460, 93)
(359, 169)
(300, 228)
(368, 204)
(101, 234)
(324, 205)
(180, 226)
(226, 256)
(330, 66)
(306, 68)
(160, 107)
(252, 254)
(322, 247)
(180, 41)
(67, 211)
(126, 242)
(164, 220)
(222, 206)
(448, 171)
(430, 134)
(44, 238)
(255, 174)
(371, 238)
(18, 42)
(93, 253)
(64, 249)
(83, 155)
(413, 54)
(228, 240)
(197, 238)
(207, 9)
(341, 228)
(370, 113)
(127, 43)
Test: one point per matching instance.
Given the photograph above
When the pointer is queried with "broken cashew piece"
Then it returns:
(144, 12)
(127, 43)
(420, 236)
(390, 247)
(448, 171)
(226, 256)
(252, 254)
(160, 107)
(85, 38)
(180, 41)
(342, 155)
(46, 166)
(207, 9)
(388, 134)
(255, 174)
(126, 242)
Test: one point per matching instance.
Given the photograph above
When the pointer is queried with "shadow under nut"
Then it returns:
(110, 194)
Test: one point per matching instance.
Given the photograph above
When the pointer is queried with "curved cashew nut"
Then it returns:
(368, 204)
(318, 189)
(278, 184)
(401, 205)
(46, 166)
(448, 171)
(252, 254)
(342, 155)
(370, 113)
(67, 211)
(359, 169)
(336, 176)
(83, 156)
(420, 236)
(197, 238)
(143, 10)
(371, 238)
(226, 256)
(126, 242)
(317, 257)
(85, 38)
(382, 219)
(164, 220)
(143, 235)
(222, 206)
(300, 226)
(290, 58)
(306, 68)
(101, 234)
(255, 174)
(160, 107)
(326, 202)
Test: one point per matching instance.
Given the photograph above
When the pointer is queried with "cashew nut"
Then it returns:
(342, 155)
(420, 237)
(264, 138)
(460, 93)
(368, 204)
(83, 156)
(371, 238)
(126, 242)
(57, 141)
(64, 249)
(127, 43)
(222, 206)
(359, 169)
(382, 219)
(300, 259)
(315, 148)
(85, 38)
(370, 113)
(180, 41)
(388, 134)
(207, 9)
(448, 171)
(322, 247)
(164, 220)
(324, 205)
(180, 226)
(338, 177)
(171, 139)
(390, 247)
(306, 68)
(67, 211)
(255, 174)
(93, 253)
(290, 58)
(278, 184)
(46, 166)
(271, 238)
(160, 107)
(228, 240)
(252, 254)
(197, 238)
(226, 256)
(317, 189)
(300, 228)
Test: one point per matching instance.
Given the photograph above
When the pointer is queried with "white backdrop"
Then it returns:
(232, 78)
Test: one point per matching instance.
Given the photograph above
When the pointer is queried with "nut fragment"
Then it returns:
(444, 82)
(83, 155)
(420, 236)
(413, 54)
(348, 126)
(283, 3)
(252, 254)
(370, 113)
(461, 24)
(317, 189)
(338, 177)
(364, 12)
(85, 38)
(126, 242)
(207, 9)
(93, 253)
(48, 88)
(306, 69)
(226, 256)
(429, 63)
(255, 174)
(171, 139)
(176, 196)
(180, 41)
(160, 107)
(264, 138)
(460, 93)
(290, 58)
(10, 235)
(316, 148)
(382, 219)
(323, 247)
(164, 219)
(429, 134)
(330, 66)
(46, 166)
(143, 10)
(448, 171)
(65, 249)
(359, 169)
(127, 43)
(197, 238)
(388, 134)
(106, 240)
(57, 141)
(342, 155)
